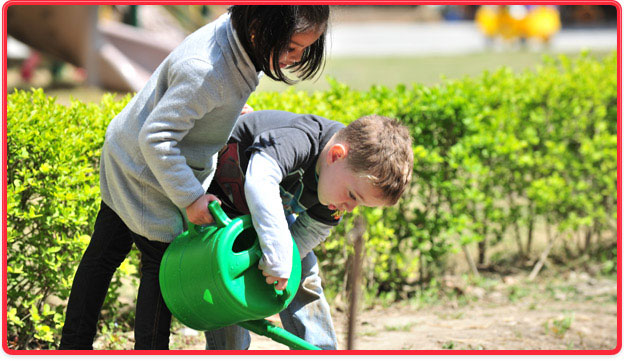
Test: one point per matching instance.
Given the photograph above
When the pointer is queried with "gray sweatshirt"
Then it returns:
(159, 155)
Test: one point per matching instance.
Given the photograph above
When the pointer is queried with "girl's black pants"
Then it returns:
(109, 246)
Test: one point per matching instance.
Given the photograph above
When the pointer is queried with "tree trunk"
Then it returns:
(516, 227)
(470, 260)
(518, 239)
(482, 251)
(529, 236)
(542, 259)
(423, 272)
(483, 245)
(587, 245)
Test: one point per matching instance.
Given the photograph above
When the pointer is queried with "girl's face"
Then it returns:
(298, 43)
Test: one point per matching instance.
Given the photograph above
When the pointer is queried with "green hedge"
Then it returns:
(52, 200)
(495, 156)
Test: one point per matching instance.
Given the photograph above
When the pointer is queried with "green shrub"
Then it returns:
(52, 201)
(494, 157)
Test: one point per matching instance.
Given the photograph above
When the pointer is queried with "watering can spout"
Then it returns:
(266, 328)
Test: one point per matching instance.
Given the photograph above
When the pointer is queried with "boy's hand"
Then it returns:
(281, 282)
(198, 212)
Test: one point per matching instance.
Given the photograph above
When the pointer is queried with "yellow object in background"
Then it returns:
(486, 18)
(510, 21)
(542, 23)
(514, 22)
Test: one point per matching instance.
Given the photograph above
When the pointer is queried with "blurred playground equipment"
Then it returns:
(114, 55)
(116, 47)
(518, 22)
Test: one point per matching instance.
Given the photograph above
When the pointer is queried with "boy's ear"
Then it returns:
(336, 152)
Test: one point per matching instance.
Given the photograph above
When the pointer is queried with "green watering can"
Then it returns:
(209, 278)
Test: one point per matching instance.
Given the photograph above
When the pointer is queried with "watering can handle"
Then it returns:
(218, 214)
(282, 294)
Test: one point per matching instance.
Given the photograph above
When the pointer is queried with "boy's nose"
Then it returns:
(349, 206)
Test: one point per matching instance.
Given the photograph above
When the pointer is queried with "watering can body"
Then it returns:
(209, 276)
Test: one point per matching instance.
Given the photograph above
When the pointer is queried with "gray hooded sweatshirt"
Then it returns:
(159, 155)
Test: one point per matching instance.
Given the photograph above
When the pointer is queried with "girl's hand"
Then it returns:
(246, 109)
(198, 212)
(281, 282)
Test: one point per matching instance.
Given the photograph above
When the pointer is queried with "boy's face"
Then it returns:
(341, 189)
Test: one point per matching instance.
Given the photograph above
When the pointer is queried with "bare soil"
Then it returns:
(574, 311)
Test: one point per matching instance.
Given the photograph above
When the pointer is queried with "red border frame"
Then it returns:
(616, 350)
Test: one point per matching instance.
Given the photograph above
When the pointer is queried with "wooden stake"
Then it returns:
(354, 275)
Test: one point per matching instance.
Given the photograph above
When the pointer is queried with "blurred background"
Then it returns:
(83, 51)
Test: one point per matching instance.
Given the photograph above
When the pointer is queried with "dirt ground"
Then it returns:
(570, 312)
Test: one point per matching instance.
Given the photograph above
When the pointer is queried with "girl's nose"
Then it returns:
(294, 56)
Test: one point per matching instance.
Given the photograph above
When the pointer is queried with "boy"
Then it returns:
(277, 164)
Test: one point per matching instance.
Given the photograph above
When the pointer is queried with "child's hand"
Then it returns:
(198, 212)
(281, 282)
(246, 109)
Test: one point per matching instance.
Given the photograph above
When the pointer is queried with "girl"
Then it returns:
(159, 154)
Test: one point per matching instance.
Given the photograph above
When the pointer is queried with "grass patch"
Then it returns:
(559, 326)
(400, 328)
(564, 291)
(532, 306)
(359, 73)
(451, 316)
(362, 72)
(368, 333)
(517, 292)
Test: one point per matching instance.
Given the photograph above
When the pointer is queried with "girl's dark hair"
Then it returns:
(272, 27)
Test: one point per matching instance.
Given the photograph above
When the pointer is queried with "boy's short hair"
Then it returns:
(380, 148)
